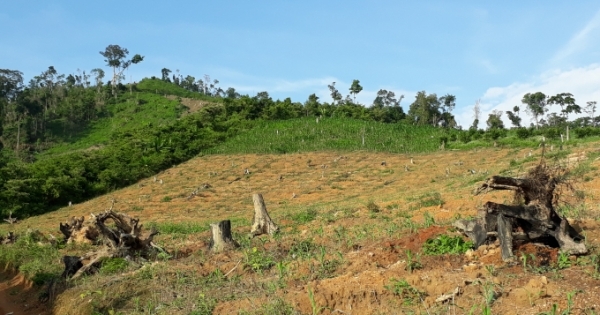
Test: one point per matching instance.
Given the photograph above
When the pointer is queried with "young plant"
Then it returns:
(412, 263)
(405, 291)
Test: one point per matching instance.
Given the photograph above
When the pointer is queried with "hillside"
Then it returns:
(352, 230)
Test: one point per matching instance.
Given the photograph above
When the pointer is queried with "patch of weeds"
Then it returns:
(563, 261)
(373, 207)
(412, 263)
(113, 265)
(305, 216)
(431, 199)
(526, 259)
(571, 211)
(445, 244)
(402, 289)
(410, 225)
(393, 206)
(315, 308)
(491, 269)
(302, 249)
(137, 208)
(278, 306)
(204, 305)
(178, 228)
(429, 219)
(257, 260)
(166, 199)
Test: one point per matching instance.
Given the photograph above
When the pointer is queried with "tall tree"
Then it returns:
(536, 105)
(476, 115)
(116, 59)
(448, 102)
(514, 118)
(495, 120)
(165, 74)
(590, 109)
(335, 94)
(425, 110)
(355, 88)
(566, 103)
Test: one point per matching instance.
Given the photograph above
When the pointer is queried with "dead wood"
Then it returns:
(531, 216)
(10, 219)
(10, 238)
(262, 222)
(77, 230)
(221, 237)
(119, 234)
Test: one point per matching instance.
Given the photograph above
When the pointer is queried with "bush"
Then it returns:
(523, 133)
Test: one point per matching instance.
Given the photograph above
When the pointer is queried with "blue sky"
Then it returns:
(495, 52)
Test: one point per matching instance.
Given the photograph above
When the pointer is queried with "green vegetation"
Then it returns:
(335, 134)
(445, 244)
(402, 289)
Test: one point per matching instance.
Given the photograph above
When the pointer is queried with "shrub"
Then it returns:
(523, 133)
(445, 244)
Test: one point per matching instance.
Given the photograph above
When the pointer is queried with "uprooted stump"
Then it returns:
(77, 230)
(262, 223)
(221, 237)
(532, 217)
(120, 236)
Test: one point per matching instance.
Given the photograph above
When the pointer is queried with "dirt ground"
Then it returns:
(357, 192)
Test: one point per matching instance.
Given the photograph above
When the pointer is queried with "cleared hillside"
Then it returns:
(350, 227)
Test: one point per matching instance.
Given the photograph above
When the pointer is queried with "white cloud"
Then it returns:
(582, 82)
(580, 40)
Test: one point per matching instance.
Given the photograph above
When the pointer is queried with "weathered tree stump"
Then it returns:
(72, 265)
(262, 223)
(532, 217)
(10, 219)
(122, 238)
(10, 238)
(221, 237)
(77, 230)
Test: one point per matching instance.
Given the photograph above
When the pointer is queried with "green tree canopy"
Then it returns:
(536, 105)
(116, 59)
(355, 88)
(425, 110)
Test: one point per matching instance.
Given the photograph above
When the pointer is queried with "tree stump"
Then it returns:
(221, 237)
(262, 223)
(532, 216)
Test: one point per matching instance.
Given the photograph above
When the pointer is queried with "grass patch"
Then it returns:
(305, 216)
(178, 228)
(445, 244)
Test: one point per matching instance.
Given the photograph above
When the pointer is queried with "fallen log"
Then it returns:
(531, 216)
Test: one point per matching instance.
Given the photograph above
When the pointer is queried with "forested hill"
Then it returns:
(65, 139)
(68, 138)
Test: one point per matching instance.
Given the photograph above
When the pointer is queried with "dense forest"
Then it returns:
(137, 129)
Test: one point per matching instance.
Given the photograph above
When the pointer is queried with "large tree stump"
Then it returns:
(121, 234)
(221, 237)
(531, 217)
(77, 230)
(262, 223)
